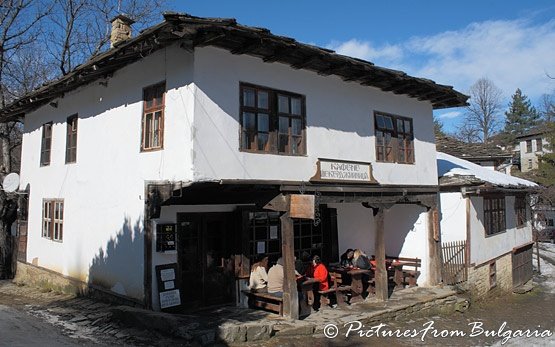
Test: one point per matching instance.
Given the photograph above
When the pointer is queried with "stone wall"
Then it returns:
(479, 278)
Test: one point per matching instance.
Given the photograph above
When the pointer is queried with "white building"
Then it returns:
(490, 212)
(532, 144)
(186, 144)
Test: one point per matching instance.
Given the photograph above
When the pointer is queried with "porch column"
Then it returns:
(379, 248)
(290, 295)
(434, 245)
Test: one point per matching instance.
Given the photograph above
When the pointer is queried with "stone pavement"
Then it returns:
(101, 323)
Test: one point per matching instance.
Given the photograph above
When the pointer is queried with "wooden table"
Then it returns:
(357, 285)
(306, 286)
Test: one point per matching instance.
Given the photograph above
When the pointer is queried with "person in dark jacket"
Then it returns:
(347, 258)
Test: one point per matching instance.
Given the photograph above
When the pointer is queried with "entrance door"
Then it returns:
(204, 243)
(522, 265)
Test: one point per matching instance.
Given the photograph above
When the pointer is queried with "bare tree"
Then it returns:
(82, 27)
(467, 133)
(18, 29)
(547, 108)
(485, 105)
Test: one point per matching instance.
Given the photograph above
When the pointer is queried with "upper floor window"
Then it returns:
(71, 139)
(272, 121)
(528, 146)
(520, 211)
(46, 144)
(494, 215)
(550, 222)
(53, 219)
(539, 145)
(394, 138)
(152, 135)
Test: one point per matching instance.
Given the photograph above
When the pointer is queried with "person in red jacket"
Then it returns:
(318, 271)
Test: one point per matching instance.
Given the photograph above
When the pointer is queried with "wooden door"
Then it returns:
(522, 265)
(205, 248)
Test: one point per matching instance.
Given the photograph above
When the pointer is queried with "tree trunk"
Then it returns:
(5, 243)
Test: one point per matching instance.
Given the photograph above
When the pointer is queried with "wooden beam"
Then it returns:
(379, 248)
(279, 203)
(434, 246)
(290, 295)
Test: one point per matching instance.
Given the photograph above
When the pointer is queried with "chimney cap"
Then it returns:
(123, 18)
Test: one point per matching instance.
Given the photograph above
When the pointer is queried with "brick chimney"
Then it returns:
(121, 29)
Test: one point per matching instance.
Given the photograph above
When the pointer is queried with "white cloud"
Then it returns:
(512, 53)
(449, 115)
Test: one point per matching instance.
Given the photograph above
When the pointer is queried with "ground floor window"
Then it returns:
(494, 215)
(53, 219)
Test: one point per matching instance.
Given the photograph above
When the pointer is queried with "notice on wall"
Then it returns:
(343, 171)
(273, 232)
(261, 247)
(168, 286)
(170, 298)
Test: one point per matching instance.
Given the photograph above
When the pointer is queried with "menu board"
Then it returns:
(165, 237)
(168, 286)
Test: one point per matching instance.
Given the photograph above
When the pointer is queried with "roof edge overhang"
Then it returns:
(190, 32)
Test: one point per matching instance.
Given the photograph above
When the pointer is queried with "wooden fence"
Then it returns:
(454, 269)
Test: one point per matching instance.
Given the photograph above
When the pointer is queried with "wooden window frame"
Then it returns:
(46, 144)
(150, 94)
(250, 140)
(528, 146)
(520, 211)
(401, 143)
(539, 145)
(494, 215)
(492, 274)
(71, 139)
(53, 219)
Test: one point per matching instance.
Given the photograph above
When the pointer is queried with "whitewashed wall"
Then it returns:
(104, 191)
(339, 116)
(405, 232)
(484, 248)
(452, 217)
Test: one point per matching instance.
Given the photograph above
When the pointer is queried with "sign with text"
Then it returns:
(343, 171)
(168, 286)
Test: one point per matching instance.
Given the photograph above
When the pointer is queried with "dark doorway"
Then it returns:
(205, 246)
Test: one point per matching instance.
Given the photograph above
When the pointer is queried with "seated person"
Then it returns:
(360, 260)
(347, 258)
(258, 280)
(275, 278)
(319, 272)
(301, 265)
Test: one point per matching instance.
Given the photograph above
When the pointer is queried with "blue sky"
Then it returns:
(454, 43)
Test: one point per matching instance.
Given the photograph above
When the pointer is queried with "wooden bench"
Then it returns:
(264, 301)
(411, 268)
(338, 288)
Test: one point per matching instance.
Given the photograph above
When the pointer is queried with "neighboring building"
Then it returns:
(486, 155)
(532, 144)
(490, 212)
(187, 144)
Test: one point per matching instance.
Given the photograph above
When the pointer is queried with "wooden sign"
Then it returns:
(168, 286)
(301, 206)
(343, 171)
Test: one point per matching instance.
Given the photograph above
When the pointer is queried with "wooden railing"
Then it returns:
(454, 269)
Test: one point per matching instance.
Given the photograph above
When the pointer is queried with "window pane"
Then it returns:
(263, 122)
(296, 126)
(283, 104)
(296, 107)
(379, 138)
(400, 126)
(407, 127)
(156, 129)
(263, 100)
(248, 121)
(283, 142)
(148, 129)
(248, 97)
(388, 123)
(262, 141)
(248, 140)
(380, 122)
(296, 145)
(283, 125)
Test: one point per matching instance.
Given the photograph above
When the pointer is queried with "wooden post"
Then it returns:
(290, 295)
(379, 248)
(538, 256)
(434, 246)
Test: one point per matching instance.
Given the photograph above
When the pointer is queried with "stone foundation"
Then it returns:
(52, 281)
(478, 283)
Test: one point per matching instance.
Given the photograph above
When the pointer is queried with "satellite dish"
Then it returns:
(11, 182)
